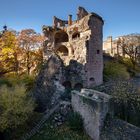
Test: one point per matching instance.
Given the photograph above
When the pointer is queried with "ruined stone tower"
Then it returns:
(78, 41)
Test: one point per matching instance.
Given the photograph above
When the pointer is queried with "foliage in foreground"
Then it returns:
(11, 80)
(15, 107)
(125, 99)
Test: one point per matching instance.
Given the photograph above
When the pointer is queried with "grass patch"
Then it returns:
(60, 133)
(115, 70)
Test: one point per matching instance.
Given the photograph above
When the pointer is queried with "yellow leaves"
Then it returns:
(7, 51)
(20, 53)
(8, 48)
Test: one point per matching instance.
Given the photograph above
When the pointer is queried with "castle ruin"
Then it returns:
(74, 54)
(78, 41)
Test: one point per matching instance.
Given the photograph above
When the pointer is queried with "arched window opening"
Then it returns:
(62, 51)
(92, 79)
(61, 37)
(78, 86)
(67, 84)
(76, 35)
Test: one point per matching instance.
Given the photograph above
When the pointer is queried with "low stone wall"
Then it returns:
(93, 107)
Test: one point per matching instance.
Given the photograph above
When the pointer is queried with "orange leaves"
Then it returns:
(21, 52)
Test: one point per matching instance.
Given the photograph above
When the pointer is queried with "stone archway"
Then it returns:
(67, 84)
(78, 86)
(62, 50)
(61, 36)
(75, 35)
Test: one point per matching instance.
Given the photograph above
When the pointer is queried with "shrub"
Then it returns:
(75, 121)
(5, 81)
(128, 63)
(15, 107)
(28, 81)
(126, 101)
(13, 80)
(113, 70)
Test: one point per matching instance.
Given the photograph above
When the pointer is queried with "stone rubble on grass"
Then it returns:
(61, 115)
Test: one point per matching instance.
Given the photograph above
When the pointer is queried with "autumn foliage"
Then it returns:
(21, 52)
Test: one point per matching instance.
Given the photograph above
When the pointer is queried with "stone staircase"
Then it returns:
(41, 123)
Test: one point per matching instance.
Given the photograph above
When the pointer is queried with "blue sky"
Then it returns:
(120, 16)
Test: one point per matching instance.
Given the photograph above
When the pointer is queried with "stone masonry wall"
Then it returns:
(93, 107)
(95, 53)
(80, 41)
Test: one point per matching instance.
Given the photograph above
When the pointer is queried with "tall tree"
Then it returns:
(30, 42)
(129, 46)
(8, 53)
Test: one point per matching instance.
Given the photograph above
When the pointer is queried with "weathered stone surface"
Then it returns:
(74, 72)
(81, 13)
(80, 40)
(48, 89)
(61, 114)
(93, 107)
